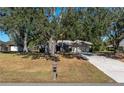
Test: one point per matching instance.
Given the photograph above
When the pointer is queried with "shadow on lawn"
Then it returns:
(68, 55)
(48, 57)
(71, 55)
(34, 56)
(31, 55)
(37, 55)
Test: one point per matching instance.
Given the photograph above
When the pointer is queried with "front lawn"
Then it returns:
(19, 68)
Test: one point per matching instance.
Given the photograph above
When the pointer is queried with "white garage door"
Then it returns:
(14, 48)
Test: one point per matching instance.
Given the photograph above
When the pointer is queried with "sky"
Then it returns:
(4, 37)
(58, 10)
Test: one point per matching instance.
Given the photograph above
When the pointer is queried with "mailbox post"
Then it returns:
(52, 49)
(54, 69)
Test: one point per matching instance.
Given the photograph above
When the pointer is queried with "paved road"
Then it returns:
(113, 68)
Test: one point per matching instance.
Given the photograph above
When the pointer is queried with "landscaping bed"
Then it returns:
(118, 56)
(111, 54)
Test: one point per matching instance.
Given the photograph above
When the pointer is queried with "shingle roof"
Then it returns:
(80, 41)
(76, 41)
(10, 43)
(7, 43)
(1, 42)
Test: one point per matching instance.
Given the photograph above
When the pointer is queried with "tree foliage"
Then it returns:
(27, 26)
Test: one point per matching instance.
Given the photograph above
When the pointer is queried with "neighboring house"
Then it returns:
(3, 46)
(11, 46)
(121, 46)
(8, 46)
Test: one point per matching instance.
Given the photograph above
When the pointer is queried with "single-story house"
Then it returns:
(11, 46)
(76, 46)
(64, 45)
(8, 46)
(69, 42)
(79, 46)
(121, 46)
(3, 46)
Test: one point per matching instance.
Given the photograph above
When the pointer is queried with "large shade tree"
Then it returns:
(22, 24)
(28, 26)
(115, 32)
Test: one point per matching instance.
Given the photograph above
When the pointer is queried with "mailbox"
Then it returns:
(54, 69)
(54, 65)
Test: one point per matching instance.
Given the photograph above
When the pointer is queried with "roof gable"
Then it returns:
(1, 42)
(7, 43)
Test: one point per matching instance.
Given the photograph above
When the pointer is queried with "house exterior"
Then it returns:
(64, 45)
(69, 42)
(79, 46)
(76, 46)
(11, 46)
(121, 46)
(3, 46)
(8, 46)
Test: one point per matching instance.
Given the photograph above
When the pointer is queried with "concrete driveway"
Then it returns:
(113, 68)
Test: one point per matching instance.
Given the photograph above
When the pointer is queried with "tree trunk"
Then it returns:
(20, 48)
(25, 43)
(52, 46)
(115, 50)
(116, 45)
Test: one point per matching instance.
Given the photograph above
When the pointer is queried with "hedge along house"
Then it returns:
(8, 46)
